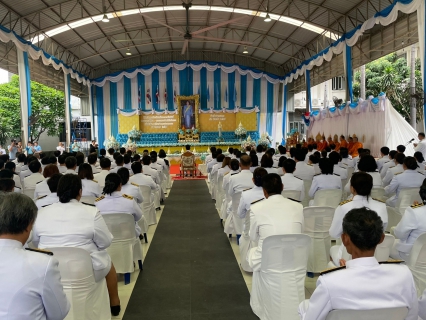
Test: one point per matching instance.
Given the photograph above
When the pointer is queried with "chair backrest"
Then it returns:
(285, 252)
(236, 197)
(418, 252)
(375, 314)
(121, 226)
(350, 172)
(328, 197)
(74, 264)
(219, 183)
(291, 194)
(88, 199)
(318, 219)
(307, 184)
(29, 193)
(406, 197)
(188, 161)
(213, 178)
(146, 193)
(378, 193)
(383, 250)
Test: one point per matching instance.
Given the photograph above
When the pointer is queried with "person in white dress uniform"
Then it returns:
(71, 164)
(392, 171)
(411, 226)
(291, 182)
(51, 198)
(12, 167)
(105, 166)
(90, 186)
(42, 189)
(129, 188)
(281, 153)
(275, 215)
(267, 163)
(346, 161)
(326, 180)
(390, 164)
(361, 185)
(146, 169)
(409, 178)
(368, 165)
(31, 287)
(212, 162)
(226, 203)
(421, 146)
(35, 176)
(303, 170)
(224, 169)
(142, 179)
(114, 201)
(384, 153)
(337, 169)
(81, 226)
(61, 163)
(420, 161)
(364, 283)
(92, 159)
(209, 157)
(254, 162)
(248, 197)
(243, 180)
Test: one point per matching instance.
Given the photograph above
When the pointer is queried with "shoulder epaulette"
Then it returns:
(247, 189)
(50, 253)
(147, 174)
(395, 174)
(345, 164)
(46, 205)
(309, 164)
(257, 201)
(344, 202)
(88, 204)
(95, 180)
(294, 200)
(134, 184)
(40, 197)
(386, 162)
(18, 187)
(332, 270)
(39, 182)
(336, 174)
(234, 173)
(153, 168)
(391, 167)
(100, 198)
(226, 173)
(318, 174)
(127, 196)
(379, 200)
(414, 206)
(298, 178)
(391, 262)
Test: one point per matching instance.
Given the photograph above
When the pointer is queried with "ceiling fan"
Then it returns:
(188, 36)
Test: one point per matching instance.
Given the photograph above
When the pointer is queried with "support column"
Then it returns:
(308, 91)
(67, 92)
(25, 92)
(347, 63)
(284, 124)
(421, 25)
(92, 118)
(413, 102)
(362, 85)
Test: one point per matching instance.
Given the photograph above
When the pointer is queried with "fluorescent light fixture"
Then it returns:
(105, 18)
(268, 18)
(128, 53)
(245, 50)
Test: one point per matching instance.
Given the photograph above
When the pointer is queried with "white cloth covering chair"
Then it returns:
(317, 225)
(307, 184)
(220, 193)
(417, 263)
(375, 314)
(406, 198)
(213, 185)
(125, 247)
(291, 194)
(327, 198)
(279, 286)
(383, 250)
(29, 192)
(148, 207)
(89, 299)
(378, 193)
(88, 200)
(233, 223)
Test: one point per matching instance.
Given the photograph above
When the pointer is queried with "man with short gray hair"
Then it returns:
(30, 280)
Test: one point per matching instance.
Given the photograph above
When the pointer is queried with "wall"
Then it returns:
(48, 143)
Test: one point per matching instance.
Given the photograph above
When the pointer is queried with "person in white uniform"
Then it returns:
(52, 197)
(326, 180)
(338, 170)
(90, 186)
(31, 287)
(409, 178)
(303, 170)
(267, 163)
(421, 146)
(92, 159)
(392, 171)
(105, 166)
(275, 215)
(71, 164)
(212, 162)
(248, 197)
(291, 182)
(81, 226)
(361, 185)
(142, 179)
(129, 188)
(346, 161)
(114, 201)
(420, 161)
(210, 157)
(368, 165)
(234, 169)
(242, 180)
(146, 169)
(42, 189)
(390, 164)
(61, 163)
(384, 153)
(411, 226)
(12, 167)
(36, 176)
(281, 153)
(364, 283)
(224, 169)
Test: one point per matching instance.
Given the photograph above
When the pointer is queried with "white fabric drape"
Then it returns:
(107, 110)
(249, 94)
(263, 105)
(196, 86)
(134, 90)
(24, 98)
(120, 94)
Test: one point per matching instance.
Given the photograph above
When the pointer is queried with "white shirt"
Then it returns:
(347, 163)
(226, 178)
(143, 180)
(90, 188)
(336, 228)
(273, 216)
(31, 181)
(132, 189)
(247, 198)
(421, 147)
(31, 287)
(377, 181)
(216, 167)
(2, 151)
(291, 182)
(100, 177)
(41, 188)
(343, 173)
(406, 179)
(70, 171)
(391, 172)
(44, 201)
(325, 181)
(386, 166)
(95, 169)
(60, 148)
(363, 285)
(380, 162)
(152, 173)
(240, 181)
(304, 171)
(271, 170)
(222, 171)
(62, 169)
(411, 226)
(210, 165)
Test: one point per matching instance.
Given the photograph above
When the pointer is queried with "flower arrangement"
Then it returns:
(129, 145)
(265, 140)
(248, 143)
(111, 143)
(188, 131)
(195, 131)
(134, 134)
(240, 132)
(181, 132)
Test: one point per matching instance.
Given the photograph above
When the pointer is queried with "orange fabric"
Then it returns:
(350, 145)
(321, 145)
(354, 150)
(337, 146)
(343, 144)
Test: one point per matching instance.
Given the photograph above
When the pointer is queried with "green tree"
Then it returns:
(392, 76)
(48, 110)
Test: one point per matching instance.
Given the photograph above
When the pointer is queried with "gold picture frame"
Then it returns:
(194, 101)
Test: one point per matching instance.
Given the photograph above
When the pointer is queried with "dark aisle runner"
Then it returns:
(190, 272)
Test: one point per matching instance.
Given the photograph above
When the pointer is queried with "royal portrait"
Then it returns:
(188, 111)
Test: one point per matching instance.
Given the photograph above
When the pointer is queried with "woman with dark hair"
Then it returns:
(225, 168)
(70, 223)
(368, 164)
(281, 161)
(132, 189)
(91, 187)
(325, 180)
(420, 160)
(314, 161)
(114, 201)
(254, 162)
(411, 226)
(361, 185)
(266, 162)
(42, 189)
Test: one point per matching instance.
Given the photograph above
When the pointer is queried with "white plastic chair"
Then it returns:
(291, 194)
(417, 263)
(29, 193)
(307, 184)
(317, 225)
(383, 250)
(88, 299)
(124, 248)
(375, 314)
(279, 287)
(88, 200)
(378, 193)
(327, 198)
(233, 223)
(148, 207)
(406, 198)
(350, 172)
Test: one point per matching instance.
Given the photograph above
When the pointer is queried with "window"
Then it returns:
(337, 83)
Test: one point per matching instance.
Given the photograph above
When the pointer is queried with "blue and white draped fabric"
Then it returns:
(25, 92)
(68, 115)
(347, 66)
(421, 25)
(308, 88)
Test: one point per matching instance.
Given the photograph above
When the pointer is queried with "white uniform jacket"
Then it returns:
(406, 179)
(91, 188)
(273, 216)
(152, 173)
(31, 287)
(342, 172)
(41, 189)
(391, 173)
(411, 226)
(70, 171)
(222, 171)
(380, 162)
(100, 177)
(132, 189)
(363, 285)
(377, 181)
(31, 180)
(44, 201)
(143, 180)
(226, 178)
(386, 166)
(216, 167)
(304, 171)
(210, 165)
(347, 163)
(95, 169)
(325, 181)
(240, 181)
(62, 169)
(291, 182)
(247, 198)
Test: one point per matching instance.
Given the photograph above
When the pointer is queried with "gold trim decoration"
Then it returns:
(196, 99)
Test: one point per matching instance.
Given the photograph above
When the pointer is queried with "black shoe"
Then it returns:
(140, 237)
(115, 310)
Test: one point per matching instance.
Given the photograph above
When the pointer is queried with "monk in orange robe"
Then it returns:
(337, 144)
(343, 142)
(354, 150)
(350, 143)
